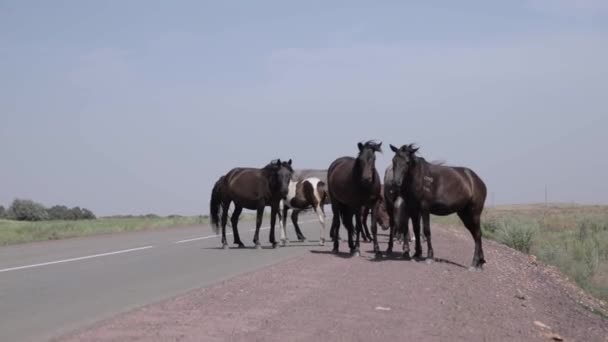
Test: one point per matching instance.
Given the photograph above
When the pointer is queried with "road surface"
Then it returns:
(51, 288)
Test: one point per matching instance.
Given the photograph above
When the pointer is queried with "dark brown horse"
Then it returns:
(252, 189)
(441, 190)
(354, 183)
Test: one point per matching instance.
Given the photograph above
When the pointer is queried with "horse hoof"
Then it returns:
(322, 242)
(378, 255)
(302, 239)
(335, 251)
(389, 251)
(241, 245)
(429, 261)
(225, 246)
(258, 246)
(406, 256)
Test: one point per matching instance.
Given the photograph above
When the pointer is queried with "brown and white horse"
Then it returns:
(306, 194)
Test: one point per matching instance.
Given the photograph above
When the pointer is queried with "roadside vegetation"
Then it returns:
(27, 221)
(573, 238)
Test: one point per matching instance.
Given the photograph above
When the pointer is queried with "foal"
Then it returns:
(306, 194)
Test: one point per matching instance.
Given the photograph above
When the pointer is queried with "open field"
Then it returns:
(573, 238)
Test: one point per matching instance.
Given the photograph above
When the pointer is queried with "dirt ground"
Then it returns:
(324, 297)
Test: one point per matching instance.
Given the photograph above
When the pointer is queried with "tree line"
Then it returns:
(28, 210)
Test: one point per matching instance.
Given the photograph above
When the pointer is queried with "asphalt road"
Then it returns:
(50, 288)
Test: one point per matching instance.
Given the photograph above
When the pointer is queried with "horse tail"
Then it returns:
(322, 192)
(215, 204)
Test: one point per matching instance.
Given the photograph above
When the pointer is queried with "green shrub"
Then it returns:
(517, 233)
(2, 212)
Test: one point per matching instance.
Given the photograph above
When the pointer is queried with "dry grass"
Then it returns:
(572, 237)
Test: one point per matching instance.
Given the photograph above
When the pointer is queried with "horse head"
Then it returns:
(403, 161)
(280, 175)
(366, 162)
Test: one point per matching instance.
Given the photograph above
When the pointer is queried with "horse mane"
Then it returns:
(373, 144)
(276, 164)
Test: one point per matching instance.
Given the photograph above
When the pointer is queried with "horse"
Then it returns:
(309, 193)
(302, 174)
(441, 190)
(250, 188)
(354, 183)
(384, 218)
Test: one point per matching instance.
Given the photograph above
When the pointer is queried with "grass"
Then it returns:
(573, 238)
(15, 232)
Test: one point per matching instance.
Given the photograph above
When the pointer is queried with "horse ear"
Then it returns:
(394, 149)
(289, 162)
(380, 147)
(415, 150)
(360, 145)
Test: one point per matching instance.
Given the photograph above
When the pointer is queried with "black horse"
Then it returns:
(441, 190)
(354, 183)
(252, 189)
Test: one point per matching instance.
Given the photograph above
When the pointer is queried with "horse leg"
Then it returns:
(364, 215)
(225, 207)
(416, 227)
(321, 214)
(375, 232)
(283, 223)
(274, 210)
(426, 222)
(358, 225)
(473, 224)
(258, 224)
(294, 219)
(366, 228)
(234, 220)
(335, 226)
(347, 220)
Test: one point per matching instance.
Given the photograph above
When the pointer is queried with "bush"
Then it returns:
(2, 212)
(514, 232)
(27, 210)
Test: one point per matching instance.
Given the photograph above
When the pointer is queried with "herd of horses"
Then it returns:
(412, 190)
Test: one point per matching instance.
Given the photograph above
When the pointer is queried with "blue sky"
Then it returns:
(138, 106)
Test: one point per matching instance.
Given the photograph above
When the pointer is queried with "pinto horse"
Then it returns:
(354, 183)
(309, 193)
(440, 190)
(253, 189)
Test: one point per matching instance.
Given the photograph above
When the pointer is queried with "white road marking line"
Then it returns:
(75, 259)
(229, 234)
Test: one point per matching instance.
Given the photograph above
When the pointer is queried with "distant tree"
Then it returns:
(87, 214)
(60, 212)
(27, 210)
(2, 212)
(77, 213)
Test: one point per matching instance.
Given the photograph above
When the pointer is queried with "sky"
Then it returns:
(136, 107)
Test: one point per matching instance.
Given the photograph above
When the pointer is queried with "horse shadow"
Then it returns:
(396, 256)
(342, 255)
